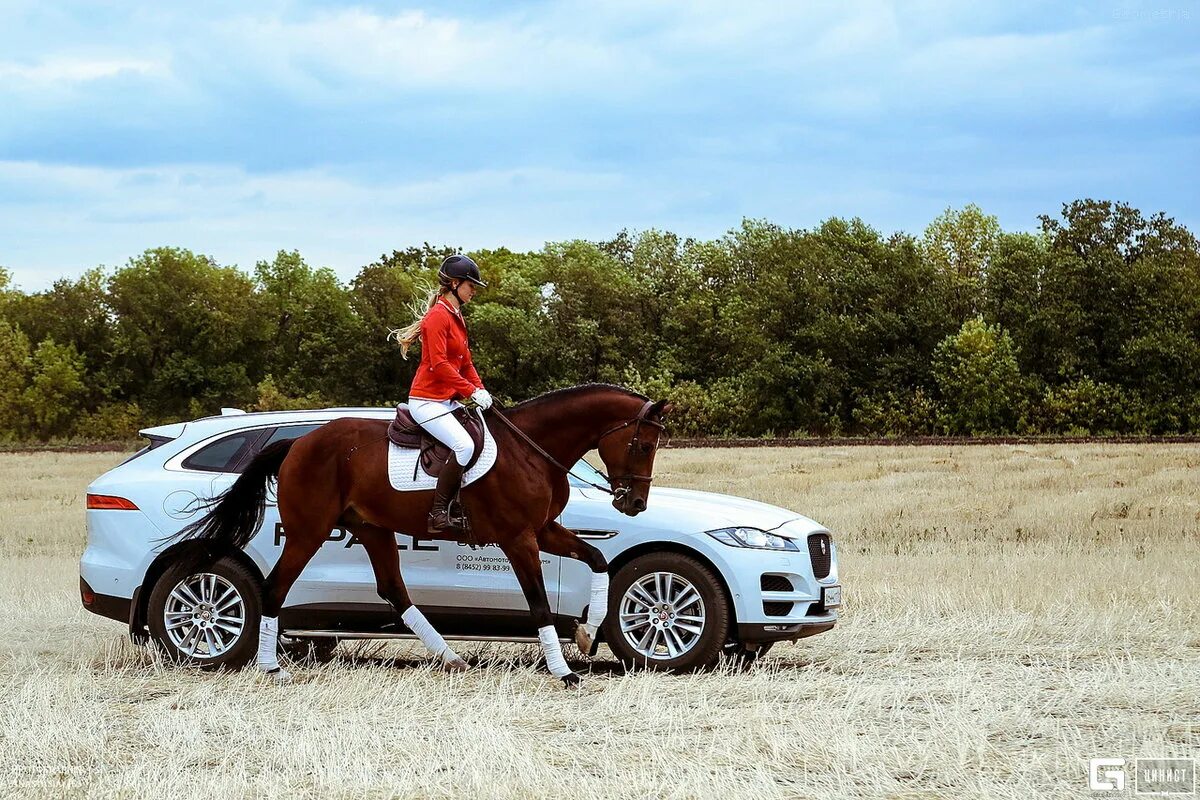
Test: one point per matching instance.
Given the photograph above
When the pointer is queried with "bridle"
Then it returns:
(637, 423)
(619, 491)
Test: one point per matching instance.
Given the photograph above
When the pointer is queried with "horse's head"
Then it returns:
(628, 452)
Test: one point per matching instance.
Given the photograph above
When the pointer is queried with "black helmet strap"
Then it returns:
(454, 291)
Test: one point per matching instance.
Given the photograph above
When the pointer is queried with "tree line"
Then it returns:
(1089, 325)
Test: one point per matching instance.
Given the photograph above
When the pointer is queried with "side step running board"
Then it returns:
(348, 635)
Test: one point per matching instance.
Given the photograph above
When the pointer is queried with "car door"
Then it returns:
(483, 579)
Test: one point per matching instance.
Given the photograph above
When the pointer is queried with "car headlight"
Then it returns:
(752, 537)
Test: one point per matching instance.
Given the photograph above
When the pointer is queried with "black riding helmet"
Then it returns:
(463, 268)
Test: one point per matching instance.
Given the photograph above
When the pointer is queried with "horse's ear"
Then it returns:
(660, 409)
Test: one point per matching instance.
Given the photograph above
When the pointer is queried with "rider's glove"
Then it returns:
(481, 398)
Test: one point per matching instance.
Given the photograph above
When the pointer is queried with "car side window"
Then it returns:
(223, 454)
(290, 432)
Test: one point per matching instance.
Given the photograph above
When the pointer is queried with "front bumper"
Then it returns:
(755, 602)
(785, 631)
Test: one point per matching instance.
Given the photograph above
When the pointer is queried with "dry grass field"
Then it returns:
(1011, 611)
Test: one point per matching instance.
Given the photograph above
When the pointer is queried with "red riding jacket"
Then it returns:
(446, 371)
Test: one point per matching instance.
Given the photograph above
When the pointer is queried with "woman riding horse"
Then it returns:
(445, 375)
(337, 476)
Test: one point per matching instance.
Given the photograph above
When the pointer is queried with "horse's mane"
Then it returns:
(556, 394)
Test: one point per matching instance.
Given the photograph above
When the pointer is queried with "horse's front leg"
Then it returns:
(557, 540)
(522, 552)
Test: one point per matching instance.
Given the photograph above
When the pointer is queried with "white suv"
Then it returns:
(750, 574)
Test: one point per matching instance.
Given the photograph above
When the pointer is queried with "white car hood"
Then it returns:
(705, 511)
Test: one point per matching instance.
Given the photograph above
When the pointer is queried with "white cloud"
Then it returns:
(239, 217)
(419, 50)
(251, 127)
(68, 69)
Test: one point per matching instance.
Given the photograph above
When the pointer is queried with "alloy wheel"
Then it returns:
(662, 615)
(204, 616)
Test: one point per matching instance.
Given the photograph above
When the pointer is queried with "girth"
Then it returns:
(404, 431)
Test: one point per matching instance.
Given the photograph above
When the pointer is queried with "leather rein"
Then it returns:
(620, 491)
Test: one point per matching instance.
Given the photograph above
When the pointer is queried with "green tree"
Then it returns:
(1013, 289)
(590, 301)
(271, 398)
(72, 312)
(15, 368)
(1084, 407)
(313, 335)
(187, 334)
(979, 379)
(959, 245)
(511, 332)
(768, 297)
(53, 398)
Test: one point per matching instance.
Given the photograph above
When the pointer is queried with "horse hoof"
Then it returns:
(582, 640)
(572, 681)
(455, 664)
(279, 676)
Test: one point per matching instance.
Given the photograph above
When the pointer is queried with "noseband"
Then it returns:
(637, 422)
(622, 490)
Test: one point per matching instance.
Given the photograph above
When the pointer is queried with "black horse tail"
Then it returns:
(231, 518)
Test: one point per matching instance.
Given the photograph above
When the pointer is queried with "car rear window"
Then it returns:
(223, 454)
(291, 432)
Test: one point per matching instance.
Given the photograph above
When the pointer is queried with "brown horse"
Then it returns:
(337, 476)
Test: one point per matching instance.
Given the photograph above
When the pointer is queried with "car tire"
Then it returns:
(660, 634)
(208, 619)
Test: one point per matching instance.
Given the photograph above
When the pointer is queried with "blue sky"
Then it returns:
(347, 130)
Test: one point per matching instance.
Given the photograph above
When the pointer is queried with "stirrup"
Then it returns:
(455, 523)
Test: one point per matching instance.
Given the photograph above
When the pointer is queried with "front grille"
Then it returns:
(820, 550)
(777, 609)
(775, 583)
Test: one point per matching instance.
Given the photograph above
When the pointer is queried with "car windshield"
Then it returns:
(586, 471)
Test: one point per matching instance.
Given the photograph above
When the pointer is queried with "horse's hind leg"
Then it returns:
(522, 553)
(385, 561)
(298, 550)
(306, 529)
(557, 540)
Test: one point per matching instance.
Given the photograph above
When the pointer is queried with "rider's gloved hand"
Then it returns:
(481, 398)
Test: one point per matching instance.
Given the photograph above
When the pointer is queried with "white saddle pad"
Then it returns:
(403, 460)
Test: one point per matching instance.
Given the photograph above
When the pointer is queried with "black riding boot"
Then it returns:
(448, 482)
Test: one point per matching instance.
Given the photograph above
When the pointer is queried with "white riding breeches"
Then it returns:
(435, 417)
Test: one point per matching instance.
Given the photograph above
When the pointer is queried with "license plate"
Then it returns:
(831, 596)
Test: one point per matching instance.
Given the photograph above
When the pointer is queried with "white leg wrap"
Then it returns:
(598, 606)
(268, 642)
(553, 651)
(432, 640)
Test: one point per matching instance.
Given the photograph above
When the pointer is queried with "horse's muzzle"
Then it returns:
(630, 506)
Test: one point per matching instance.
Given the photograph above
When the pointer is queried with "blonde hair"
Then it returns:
(412, 332)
